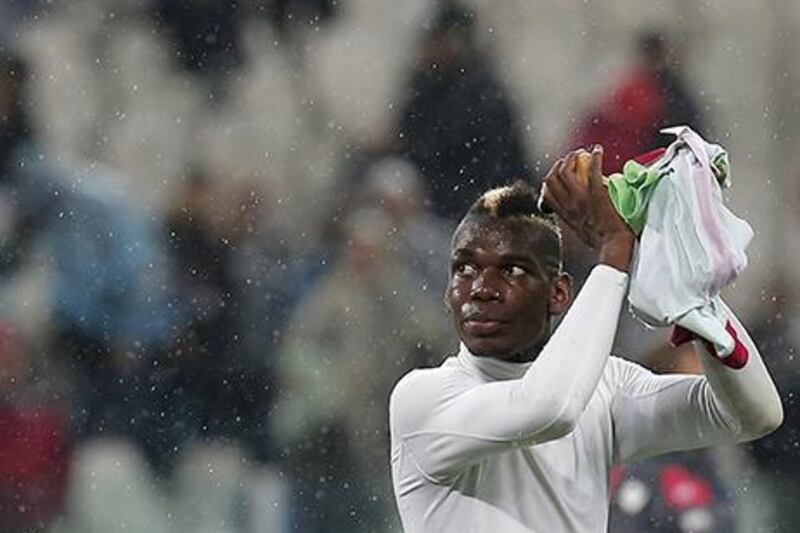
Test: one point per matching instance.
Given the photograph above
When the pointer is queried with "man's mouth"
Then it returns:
(480, 326)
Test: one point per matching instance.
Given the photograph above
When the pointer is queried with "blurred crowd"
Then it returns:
(203, 352)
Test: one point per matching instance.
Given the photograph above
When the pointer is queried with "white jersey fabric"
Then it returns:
(483, 445)
(692, 245)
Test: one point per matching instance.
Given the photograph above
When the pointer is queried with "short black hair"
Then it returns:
(517, 202)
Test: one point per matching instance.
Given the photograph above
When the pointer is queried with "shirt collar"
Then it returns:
(490, 368)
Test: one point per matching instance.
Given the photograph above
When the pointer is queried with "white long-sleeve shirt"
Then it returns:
(483, 445)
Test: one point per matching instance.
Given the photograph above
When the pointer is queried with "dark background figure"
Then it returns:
(107, 317)
(215, 378)
(458, 125)
(649, 96)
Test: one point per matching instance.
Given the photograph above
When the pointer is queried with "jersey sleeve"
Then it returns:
(445, 425)
(654, 414)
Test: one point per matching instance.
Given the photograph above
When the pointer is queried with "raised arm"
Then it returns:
(656, 414)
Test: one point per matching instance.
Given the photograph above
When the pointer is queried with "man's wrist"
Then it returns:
(617, 251)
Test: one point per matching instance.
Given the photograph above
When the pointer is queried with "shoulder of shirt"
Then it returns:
(422, 378)
(417, 392)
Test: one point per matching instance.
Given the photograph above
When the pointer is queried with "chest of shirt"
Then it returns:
(585, 456)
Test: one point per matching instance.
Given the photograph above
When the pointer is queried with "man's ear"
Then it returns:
(446, 300)
(560, 295)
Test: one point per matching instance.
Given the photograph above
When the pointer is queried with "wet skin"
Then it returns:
(501, 294)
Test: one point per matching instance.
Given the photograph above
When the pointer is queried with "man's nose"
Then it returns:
(484, 287)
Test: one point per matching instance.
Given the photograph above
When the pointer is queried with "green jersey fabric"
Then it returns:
(630, 192)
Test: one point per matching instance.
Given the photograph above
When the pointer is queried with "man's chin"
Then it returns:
(487, 347)
(501, 348)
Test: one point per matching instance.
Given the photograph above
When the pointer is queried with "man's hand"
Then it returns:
(587, 209)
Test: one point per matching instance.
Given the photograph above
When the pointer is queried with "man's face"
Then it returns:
(499, 294)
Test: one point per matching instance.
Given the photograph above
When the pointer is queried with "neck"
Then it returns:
(527, 355)
(491, 368)
(521, 357)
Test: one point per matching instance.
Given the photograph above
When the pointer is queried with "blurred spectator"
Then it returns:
(108, 312)
(675, 493)
(419, 239)
(213, 385)
(646, 98)
(458, 125)
(34, 444)
(354, 334)
(777, 456)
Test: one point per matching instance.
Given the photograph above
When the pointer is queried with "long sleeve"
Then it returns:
(446, 423)
(656, 414)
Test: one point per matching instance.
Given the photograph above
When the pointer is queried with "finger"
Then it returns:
(549, 202)
(582, 164)
(555, 169)
(596, 168)
(568, 170)
(541, 202)
(556, 196)
(569, 175)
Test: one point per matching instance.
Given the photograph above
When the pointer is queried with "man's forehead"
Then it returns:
(505, 236)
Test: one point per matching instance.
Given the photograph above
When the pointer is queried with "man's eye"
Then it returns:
(466, 269)
(515, 271)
